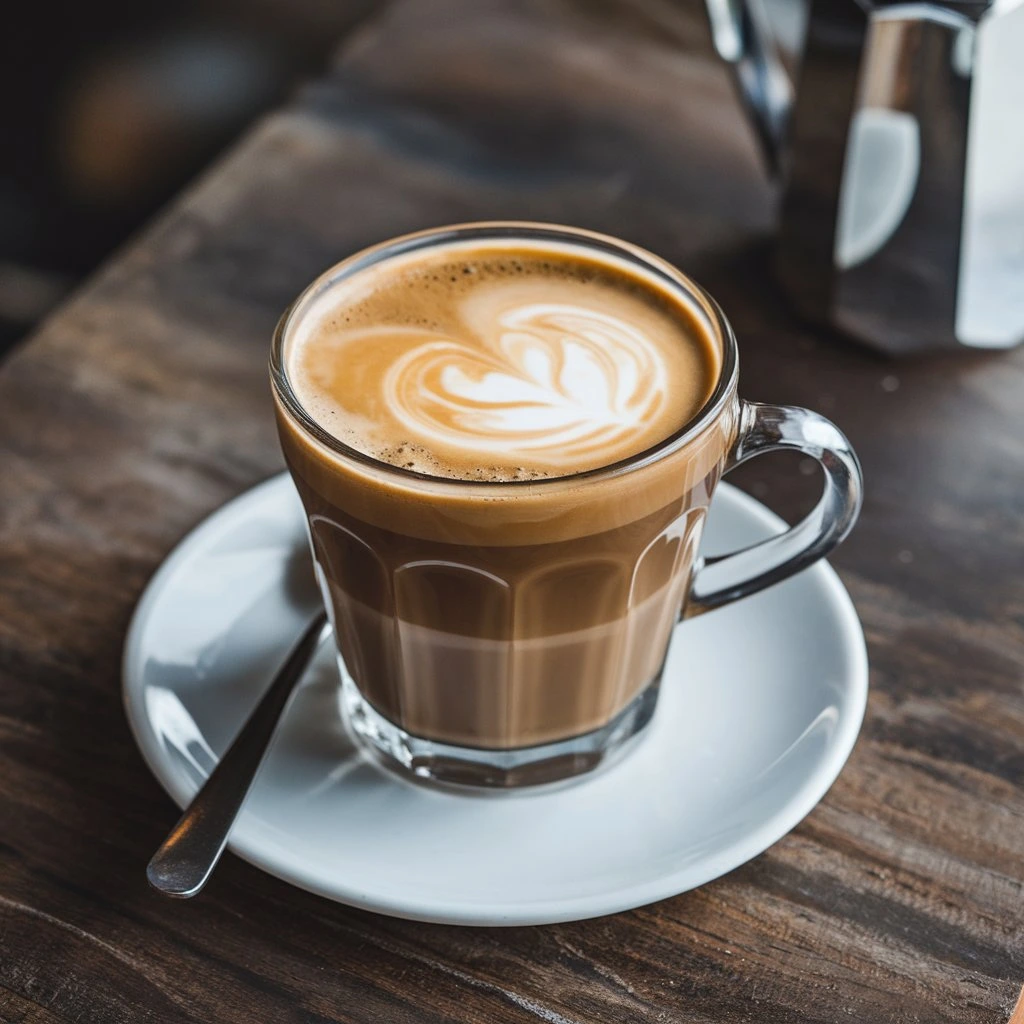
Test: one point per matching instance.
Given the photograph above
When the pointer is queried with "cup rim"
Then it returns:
(666, 273)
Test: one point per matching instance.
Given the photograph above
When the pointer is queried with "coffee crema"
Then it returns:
(500, 362)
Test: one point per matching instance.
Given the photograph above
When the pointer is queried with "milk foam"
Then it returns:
(551, 378)
(512, 367)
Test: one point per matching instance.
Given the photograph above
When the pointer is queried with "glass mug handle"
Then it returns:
(774, 428)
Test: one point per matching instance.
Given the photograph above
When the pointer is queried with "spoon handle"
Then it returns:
(189, 854)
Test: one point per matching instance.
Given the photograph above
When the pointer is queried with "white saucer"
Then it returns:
(760, 705)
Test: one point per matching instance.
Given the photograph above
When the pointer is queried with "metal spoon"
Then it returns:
(185, 861)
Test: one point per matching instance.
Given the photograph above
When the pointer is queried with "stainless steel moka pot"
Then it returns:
(901, 151)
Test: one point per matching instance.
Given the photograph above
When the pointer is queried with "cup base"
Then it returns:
(445, 763)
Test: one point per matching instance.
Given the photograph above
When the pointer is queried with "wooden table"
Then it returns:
(143, 405)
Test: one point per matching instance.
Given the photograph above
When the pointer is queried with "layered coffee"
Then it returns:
(489, 587)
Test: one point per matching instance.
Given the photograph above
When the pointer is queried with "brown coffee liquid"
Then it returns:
(502, 615)
(498, 363)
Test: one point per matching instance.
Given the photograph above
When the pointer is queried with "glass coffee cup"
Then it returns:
(509, 632)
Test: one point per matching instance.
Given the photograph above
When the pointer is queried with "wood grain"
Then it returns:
(143, 404)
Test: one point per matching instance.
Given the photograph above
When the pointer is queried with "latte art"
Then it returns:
(500, 363)
(550, 376)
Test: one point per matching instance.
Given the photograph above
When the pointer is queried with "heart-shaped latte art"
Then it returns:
(547, 376)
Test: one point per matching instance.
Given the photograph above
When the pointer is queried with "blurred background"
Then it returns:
(108, 109)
